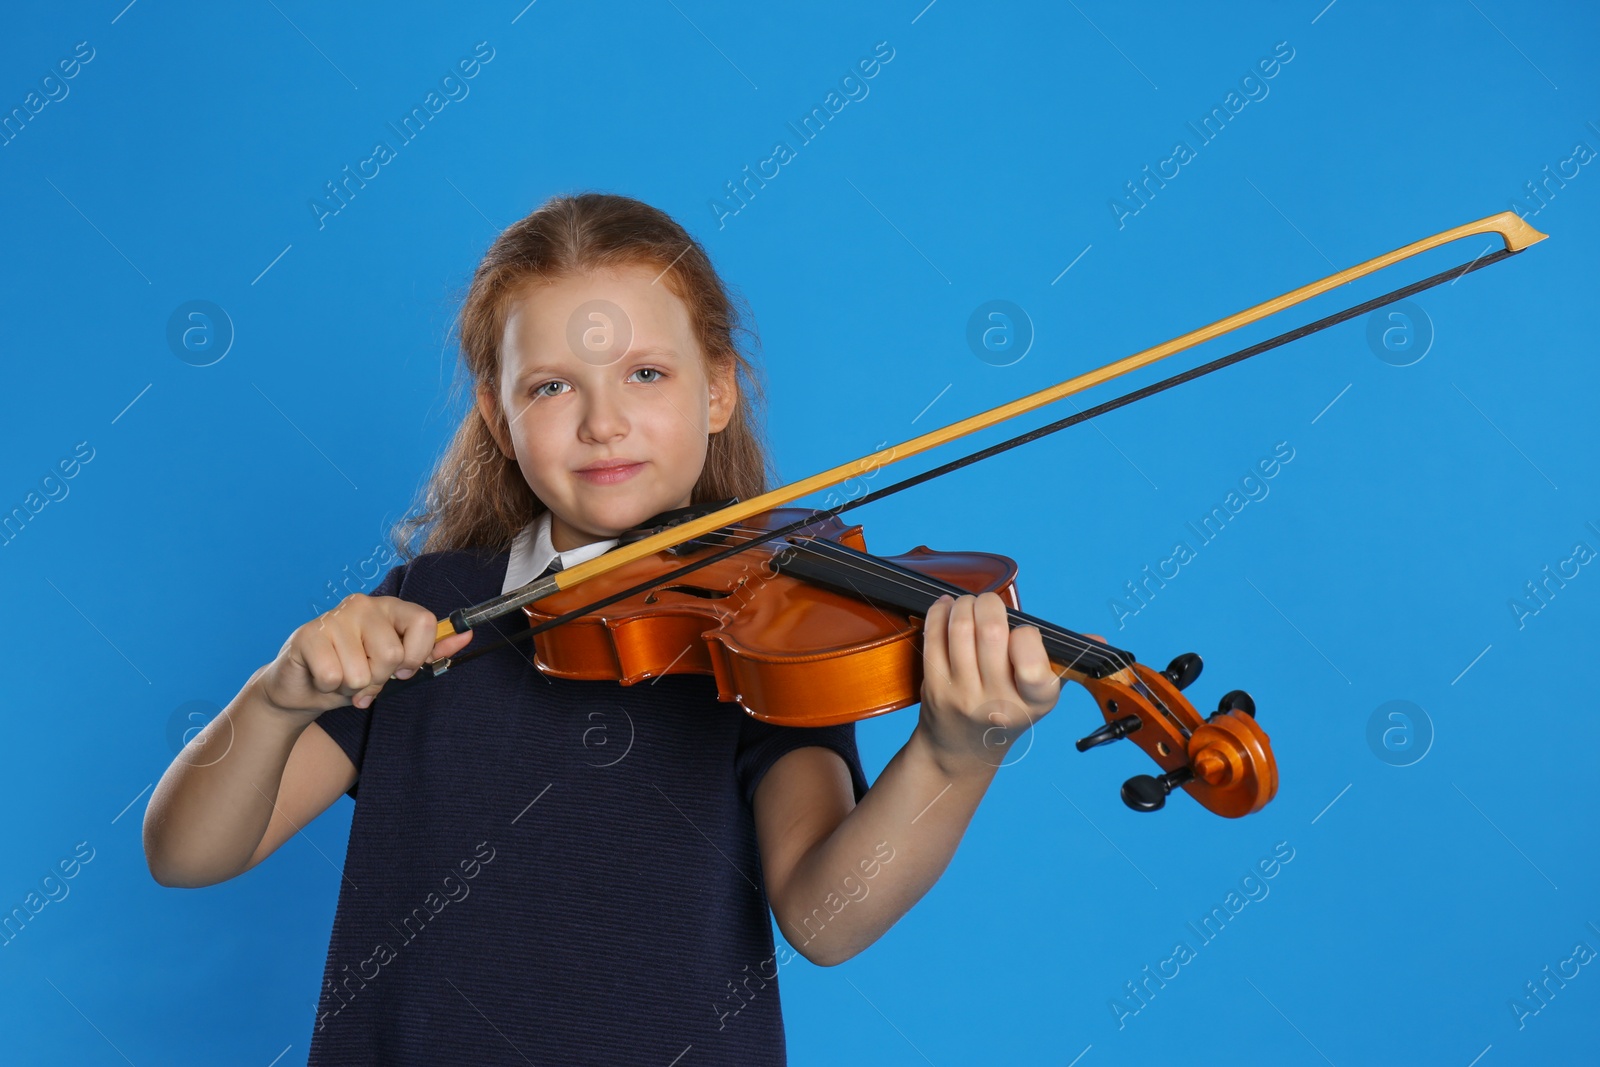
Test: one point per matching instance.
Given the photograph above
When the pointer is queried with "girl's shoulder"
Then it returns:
(448, 579)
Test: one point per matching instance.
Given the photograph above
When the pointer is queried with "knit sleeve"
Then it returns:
(761, 744)
(348, 726)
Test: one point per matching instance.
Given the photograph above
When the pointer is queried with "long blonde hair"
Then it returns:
(476, 496)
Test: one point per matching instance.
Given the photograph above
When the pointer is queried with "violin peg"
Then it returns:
(1237, 700)
(1143, 792)
(1115, 730)
(1183, 670)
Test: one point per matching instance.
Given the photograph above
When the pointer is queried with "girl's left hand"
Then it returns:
(983, 683)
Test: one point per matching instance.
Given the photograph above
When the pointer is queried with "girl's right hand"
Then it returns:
(346, 655)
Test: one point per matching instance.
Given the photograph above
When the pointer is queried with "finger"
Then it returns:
(963, 642)
(1097, 637)
(1034, 674)
(443, 650)
(450, 646)
(992, 639)
(935, 628)
(415, 626)
(352, 660)
(322, 664)
(432, 654)
(384, 651)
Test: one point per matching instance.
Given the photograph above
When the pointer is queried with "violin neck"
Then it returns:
(860, 574)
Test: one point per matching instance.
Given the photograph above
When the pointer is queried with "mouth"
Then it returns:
(609, 471)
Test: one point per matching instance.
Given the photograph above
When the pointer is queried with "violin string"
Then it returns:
(1450, 275)
(931, 588)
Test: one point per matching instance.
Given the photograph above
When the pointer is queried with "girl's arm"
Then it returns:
(839, 876)
(253, 768)
(256, 774)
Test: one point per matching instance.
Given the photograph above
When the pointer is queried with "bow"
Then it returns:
(674, 528)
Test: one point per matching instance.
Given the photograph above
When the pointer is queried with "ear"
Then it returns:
(724, 394)
(489, 409)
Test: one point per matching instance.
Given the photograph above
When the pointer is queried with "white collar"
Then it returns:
(532, 552)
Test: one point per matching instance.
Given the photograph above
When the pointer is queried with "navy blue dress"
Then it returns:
(551, 871)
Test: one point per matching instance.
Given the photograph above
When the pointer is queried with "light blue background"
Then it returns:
(221, 499)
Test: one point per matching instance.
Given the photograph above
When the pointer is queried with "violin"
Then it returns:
(812, 630)
(802, 626)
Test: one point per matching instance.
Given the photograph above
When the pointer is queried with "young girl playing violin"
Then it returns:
(557, 871)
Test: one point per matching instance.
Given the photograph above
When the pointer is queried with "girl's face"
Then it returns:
(601, 369)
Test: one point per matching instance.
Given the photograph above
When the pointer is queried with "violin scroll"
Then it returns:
(1224, 761)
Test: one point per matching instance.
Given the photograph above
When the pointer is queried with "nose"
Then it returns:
(603, 419)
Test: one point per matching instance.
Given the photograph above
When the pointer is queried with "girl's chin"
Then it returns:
(618, 516)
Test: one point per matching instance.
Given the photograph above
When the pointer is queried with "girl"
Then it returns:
(555, 871)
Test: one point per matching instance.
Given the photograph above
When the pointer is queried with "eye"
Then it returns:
(540, 389)
(650, 370)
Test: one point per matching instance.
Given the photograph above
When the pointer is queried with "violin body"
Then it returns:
(809, 629)
(787, 651)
